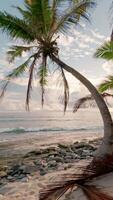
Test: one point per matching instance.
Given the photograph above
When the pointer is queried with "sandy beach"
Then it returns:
(13, 152)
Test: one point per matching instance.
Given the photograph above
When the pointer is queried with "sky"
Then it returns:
(76, 50)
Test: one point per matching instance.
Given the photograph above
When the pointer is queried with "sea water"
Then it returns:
(15, 125)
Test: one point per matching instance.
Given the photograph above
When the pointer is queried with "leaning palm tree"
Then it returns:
(38, 27)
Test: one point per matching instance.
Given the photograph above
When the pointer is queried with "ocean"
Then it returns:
(16, 125)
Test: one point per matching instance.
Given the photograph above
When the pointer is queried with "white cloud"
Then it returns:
(97, 35)
(79, 44)
(108, 67)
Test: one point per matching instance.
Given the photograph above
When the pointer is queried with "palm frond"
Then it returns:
(17, 51)
(94, 193)
(82, 100)
(25, 13)
(106, 85)
(56, 189)
(18, 71)
(40, 16)
(105, 51)
(66, 90)
(43, 77)
(29, 87)
(15, 28)
(4, 88)
(79, 10)
(13, 74)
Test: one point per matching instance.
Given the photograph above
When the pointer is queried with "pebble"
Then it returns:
(46, 160)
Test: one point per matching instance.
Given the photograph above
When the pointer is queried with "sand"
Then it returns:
(29, 188)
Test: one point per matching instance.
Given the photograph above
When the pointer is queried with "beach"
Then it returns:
(28, 160)
(26, 166)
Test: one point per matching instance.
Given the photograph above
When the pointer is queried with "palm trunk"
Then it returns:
(106, 148)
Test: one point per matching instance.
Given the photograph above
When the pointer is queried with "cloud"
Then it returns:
(80, 44)
(108, 67)
(97, 35)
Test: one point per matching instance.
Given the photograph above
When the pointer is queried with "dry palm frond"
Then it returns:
(57, 190)
(82, 100)
(67, 182)
(81, 180)
(94, 193)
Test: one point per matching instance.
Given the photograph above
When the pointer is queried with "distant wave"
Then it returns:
(31, 130)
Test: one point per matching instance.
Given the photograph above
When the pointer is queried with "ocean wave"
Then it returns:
(21, 130)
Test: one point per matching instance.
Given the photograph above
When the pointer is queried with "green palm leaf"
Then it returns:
(15, 27)
(14, 74)
(16, 51)
(40, 16)
(73, 15)
(29, 87)
(106, 85)
(105, 51)
(43, 73)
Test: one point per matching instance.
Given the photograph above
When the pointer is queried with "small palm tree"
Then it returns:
(106, 52)
(39, 27)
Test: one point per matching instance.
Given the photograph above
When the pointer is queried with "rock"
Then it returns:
(79, 152)
(28, 169)
(21, 176)
(59, 159)
(50, 150)
(10, 178)
(33, 153)
(68, 157)
(67, 160)
(79, 145)
(3, 173)
(37, 162)
(24, 180)
(42, 171)
(63, 146)
(62, 152)
(85, 152)
(76, 156)
(14, 170)
(52, 164)
(50, 158)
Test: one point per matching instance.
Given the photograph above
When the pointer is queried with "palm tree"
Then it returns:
(106, 52)
(38, 27)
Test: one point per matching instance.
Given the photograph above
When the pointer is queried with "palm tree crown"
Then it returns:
(38, 27)
(106, 52)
